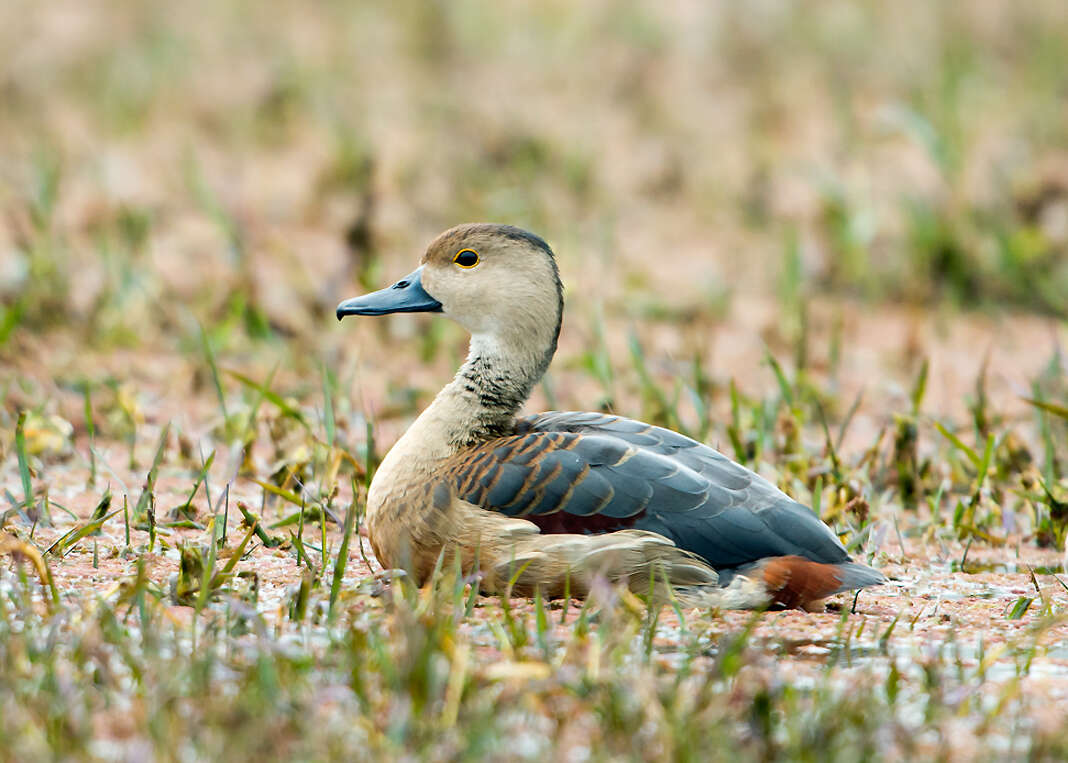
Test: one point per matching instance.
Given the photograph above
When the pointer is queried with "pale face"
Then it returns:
(491, 284)
(498, 282)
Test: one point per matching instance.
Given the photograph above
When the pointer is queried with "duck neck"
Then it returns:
(490, 388)
(480, 403)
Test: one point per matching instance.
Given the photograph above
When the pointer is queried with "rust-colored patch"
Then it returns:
(797, 582)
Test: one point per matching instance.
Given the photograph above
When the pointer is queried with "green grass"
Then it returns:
(398, 674)
(386, 670)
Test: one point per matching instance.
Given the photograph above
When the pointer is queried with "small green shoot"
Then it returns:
(145, 500)
(342, 557)
(24, 465)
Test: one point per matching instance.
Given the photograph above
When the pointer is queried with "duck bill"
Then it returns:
(405, 296)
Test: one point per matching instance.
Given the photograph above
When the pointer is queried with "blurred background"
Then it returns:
(828, 238)
(715, 177)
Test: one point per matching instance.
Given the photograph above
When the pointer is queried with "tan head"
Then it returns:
(497, 281)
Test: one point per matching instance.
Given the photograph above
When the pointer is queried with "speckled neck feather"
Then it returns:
(500, 372)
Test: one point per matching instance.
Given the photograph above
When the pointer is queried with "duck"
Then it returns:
(554, 502)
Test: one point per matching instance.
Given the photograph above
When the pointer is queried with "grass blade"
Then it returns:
(1019, 609)
(919, 388)
(184, 507)
(1057, 410)
(959, 445)
(254, 522)
(270, 396)
(342, 556)
(780, 377)
(69, 539)
(209, 356)
(90, 428)
(24, 465)
(150, 480)
(329, 383)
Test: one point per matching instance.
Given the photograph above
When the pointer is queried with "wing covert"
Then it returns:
(542, 473)
(592, 472)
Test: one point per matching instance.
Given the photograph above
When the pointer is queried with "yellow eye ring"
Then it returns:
(466, 258)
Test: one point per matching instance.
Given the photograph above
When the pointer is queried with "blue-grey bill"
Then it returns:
(405, 296)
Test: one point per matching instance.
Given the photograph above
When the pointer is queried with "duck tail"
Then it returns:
(794, 581)
(852, 576)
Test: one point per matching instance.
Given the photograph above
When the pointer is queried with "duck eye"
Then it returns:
(466, 258)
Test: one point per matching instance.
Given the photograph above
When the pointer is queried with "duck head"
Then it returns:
(497, 281)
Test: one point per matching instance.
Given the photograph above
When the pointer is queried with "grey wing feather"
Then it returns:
(740, 516)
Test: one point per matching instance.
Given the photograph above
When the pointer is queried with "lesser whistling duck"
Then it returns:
(558, 498)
